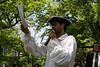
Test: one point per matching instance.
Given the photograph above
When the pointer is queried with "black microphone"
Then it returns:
(47, 41)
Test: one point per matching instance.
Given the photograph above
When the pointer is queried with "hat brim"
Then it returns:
(59, 20)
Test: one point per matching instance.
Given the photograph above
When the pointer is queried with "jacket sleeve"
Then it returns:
(38, 50)
(89, 60)
(63, 53)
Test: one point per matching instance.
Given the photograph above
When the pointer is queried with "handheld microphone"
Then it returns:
(47, 41)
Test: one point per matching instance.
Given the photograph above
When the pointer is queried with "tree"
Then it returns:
(10, 46)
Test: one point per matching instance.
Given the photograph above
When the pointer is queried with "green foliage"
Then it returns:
(41, 61)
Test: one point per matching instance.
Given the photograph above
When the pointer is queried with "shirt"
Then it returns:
(94, 60)
(60, 51)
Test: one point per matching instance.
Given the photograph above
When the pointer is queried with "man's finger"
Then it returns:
(53, 31)
(22, 26)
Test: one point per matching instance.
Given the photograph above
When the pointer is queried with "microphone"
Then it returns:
(47, 41)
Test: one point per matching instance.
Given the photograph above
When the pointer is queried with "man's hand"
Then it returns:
(25, 30)
(52, 34)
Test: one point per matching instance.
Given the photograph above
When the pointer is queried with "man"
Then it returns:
(93, 60)
(60, 50)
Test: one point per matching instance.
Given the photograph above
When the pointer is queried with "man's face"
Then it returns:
(96, 48)
(57, 27)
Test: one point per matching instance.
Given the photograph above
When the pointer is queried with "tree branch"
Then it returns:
(3, 1)
(17, 21)
(8, 18)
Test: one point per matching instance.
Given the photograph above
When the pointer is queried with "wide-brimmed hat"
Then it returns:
(59, 20)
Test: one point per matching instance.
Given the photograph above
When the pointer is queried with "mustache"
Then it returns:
(54, 29)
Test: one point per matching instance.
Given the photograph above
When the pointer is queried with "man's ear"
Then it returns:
(63, 25)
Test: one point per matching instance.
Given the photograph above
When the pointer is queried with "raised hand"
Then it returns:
(52, 34)
(24, 29)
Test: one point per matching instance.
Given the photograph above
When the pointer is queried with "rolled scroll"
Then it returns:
(23, 21)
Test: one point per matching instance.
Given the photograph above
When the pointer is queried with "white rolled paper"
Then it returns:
(23, 21)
